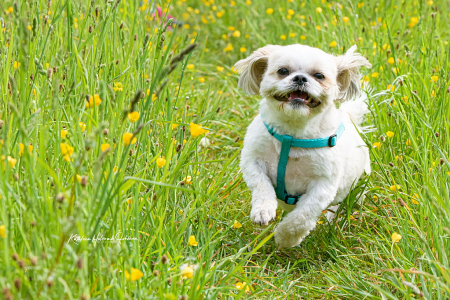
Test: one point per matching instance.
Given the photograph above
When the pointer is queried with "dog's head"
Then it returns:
(299, 79)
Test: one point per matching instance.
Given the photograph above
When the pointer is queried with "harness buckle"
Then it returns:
(291, 200)
(332, 140)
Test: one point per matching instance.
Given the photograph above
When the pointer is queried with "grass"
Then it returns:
(54, 55)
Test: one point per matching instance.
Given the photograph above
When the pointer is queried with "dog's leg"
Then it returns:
(264, 200)
(331, 213)
(298, 223)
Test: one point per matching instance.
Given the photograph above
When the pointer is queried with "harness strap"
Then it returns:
(287, 142)
(282, 163)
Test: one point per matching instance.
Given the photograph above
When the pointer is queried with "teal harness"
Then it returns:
(286, 143)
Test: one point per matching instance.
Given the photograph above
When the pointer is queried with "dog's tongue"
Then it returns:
(298, 94)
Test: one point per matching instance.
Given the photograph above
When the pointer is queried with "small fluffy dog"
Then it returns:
(300, 86)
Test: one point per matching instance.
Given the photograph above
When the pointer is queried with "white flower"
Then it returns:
(204, 142)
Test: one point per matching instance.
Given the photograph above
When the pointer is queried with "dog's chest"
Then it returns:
(304, 166)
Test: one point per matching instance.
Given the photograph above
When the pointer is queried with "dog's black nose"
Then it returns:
(300, 79)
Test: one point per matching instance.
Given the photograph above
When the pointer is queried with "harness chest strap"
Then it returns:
(287, 142)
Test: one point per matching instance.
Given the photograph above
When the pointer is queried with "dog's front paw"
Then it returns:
(262, 214)
(292, 230)
(286, 237)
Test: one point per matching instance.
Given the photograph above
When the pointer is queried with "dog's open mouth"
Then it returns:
(298, 98)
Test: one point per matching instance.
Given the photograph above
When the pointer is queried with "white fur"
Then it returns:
(323, 176)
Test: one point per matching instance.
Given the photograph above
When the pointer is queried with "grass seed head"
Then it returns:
(17, 283)
(60, 197)
(21, 264)
(80, 263)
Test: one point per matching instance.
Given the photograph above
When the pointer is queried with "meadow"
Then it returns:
(120, 137)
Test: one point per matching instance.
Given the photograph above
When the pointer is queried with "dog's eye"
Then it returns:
(283, 72)
(319, 76)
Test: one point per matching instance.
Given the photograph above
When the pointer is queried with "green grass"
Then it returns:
(91, 46)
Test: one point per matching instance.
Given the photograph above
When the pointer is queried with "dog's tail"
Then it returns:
(357, 109)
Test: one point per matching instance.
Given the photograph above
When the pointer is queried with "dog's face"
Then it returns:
(300, 80)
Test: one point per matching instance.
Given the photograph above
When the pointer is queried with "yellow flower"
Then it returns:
(192, 241)
(408, 142)
(237, 34)
(104, 147)
(345, 19)
(414, 199)
(118, 86)
(135, 274)
(82, 126)
(391, 60)
(405, 99)
(433, 93)
(434, 78)
(66, 151)
(64, 133)
(318, 10)
(269, 11)
(241, 285)
(389, 134)
(187, 180)
(133, 117)
(283, 37)
(197, 130)
(93, 101)
(190, 66)
(79, 178)
(128, 138)
(303, 37)
(318, 27)
(160, 162)
(228, 48)
(11, 162)
(375, 74)
(333, 44)
(236, 225)
(376, 145)
(201, 79)
(291, 12)
(395, 188)
(391, 87)
(187, 272)
(21, 146)
(243, 49)
(3, 231)
(396, 237)
(220, 69)
(292, 34)
(430, 2)
(16, 64)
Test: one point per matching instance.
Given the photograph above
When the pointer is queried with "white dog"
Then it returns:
(300, 86)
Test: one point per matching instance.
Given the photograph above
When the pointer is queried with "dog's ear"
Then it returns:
(348, 77)
(252, 68)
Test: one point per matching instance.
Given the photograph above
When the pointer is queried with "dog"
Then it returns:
(300, 86)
